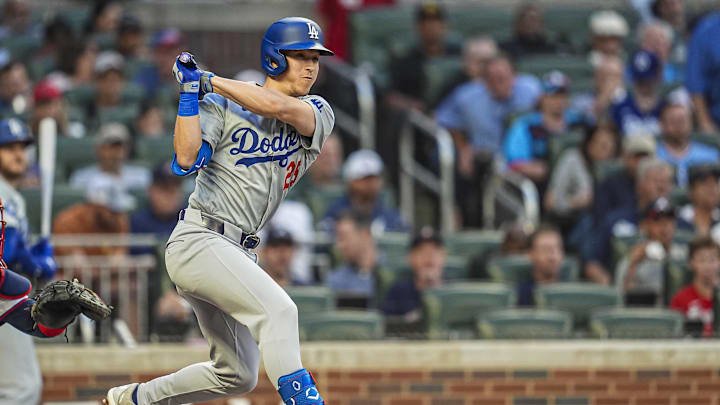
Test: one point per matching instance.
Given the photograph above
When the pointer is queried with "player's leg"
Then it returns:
(232, 369)
(229, 279)
(20, 378)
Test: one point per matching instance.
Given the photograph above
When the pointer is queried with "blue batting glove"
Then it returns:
(205, 83)
(42, 253)
(187, 73)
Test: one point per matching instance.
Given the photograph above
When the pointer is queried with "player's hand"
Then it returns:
(42, 253)
(186, 73)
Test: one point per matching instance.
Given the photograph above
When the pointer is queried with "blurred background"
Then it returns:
(537, 170)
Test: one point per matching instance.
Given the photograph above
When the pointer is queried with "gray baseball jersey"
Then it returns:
(255, 160)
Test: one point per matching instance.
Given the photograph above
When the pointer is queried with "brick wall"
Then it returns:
(398, 386)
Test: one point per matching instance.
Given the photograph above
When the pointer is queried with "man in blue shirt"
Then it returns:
(702, 76)
(526, 145)
(676, 147)
(636, 111)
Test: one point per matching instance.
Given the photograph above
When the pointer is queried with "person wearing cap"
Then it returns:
(129, 39)
(426, 260)
(695, 300)
(276, 256)
(113, 93)
(165, 45)
(526, 144)
(546, 256)
(15, 88)
(607, 31)
(354, 279)
(529, 33)
(653, 181)
(408, 83)
(701, 215)
(702, 73)
(20, 374)
(362, 174)
(48, 103)
(676, 147)
(617, 191)
(641, 271)
(112, 149)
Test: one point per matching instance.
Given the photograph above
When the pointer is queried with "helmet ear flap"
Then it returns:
(273, 61)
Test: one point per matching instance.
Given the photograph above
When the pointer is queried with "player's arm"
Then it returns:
(268, 103)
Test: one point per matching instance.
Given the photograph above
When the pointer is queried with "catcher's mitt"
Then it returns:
(57, 305)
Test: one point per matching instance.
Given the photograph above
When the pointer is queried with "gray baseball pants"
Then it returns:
(20, 378)
(241, 312)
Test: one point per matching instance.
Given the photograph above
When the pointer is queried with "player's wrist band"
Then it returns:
(188, 106)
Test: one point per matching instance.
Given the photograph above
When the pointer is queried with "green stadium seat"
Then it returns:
(471, 243)
(312, 299)
(21, 47)
(607, 168)
(575, 67)
(516, 268)
(452, 310)
(63, 197)
(394, 243)
(637, 323)
(475, 21)
(525, 324)
(154, 151)
(679, 197)
(342, 325)
(708, 139)
(80, 96)
(76, 17)
(580, 299)
(124, 114)
(75, 153)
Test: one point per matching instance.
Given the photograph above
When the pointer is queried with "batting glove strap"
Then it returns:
(206, 86)
(299, 388)
(188, 106)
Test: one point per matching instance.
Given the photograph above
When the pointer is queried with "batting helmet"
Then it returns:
(289, 34)
(13, 130)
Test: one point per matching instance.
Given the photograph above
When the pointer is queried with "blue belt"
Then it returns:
(246, 240)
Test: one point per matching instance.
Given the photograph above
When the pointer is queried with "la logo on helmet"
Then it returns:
(313, 32)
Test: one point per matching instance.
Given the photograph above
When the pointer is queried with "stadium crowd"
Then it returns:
(621, 145)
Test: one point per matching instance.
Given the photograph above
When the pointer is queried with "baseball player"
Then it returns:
(253, 143)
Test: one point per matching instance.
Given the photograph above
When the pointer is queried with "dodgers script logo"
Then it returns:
(248, 141)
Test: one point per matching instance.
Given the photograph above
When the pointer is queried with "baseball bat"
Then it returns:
(47, 142)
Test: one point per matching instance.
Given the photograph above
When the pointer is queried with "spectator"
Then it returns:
(608, 80)
(166, 46)
(150, 122)
(16, 21)
(165, 199)
(702, 76)
(113, 146)
(477, 52)
(641, 273)
(354, 280)
(570, 191)
(427, 262)
(103, 212)
(407, 72)
(323, 183)
(676, 147)
(57, 35)
(695, 301)
(618, 190)
(637, 110)
(475, 113)
(702, 215)
(653, 181)
(671, 12)
(515, 242)
(75, 65)
(295, 218)
(526, 145)
(362, 173)
(277, 255)
(48, 103)
(335, 16)
(104, 20)
(130, 39)
(529, 34)
(111, 89)
(608, 29)
(15, 88)
(546, 256)
(656, 37)
(172, 318)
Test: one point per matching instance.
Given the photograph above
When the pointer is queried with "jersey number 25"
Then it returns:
(292, 174)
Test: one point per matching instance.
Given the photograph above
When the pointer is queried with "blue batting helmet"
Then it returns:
(289, 34)
(13, 130)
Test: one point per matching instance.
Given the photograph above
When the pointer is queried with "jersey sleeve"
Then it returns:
(212, 118)
(324, 123)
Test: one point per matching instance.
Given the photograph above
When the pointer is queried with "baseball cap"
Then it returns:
(644, 65)
(555, 81)
(660, 208)
(426, 234)
(129, 23)
(279, 237)
(703, 171)
(45, 90)
(108, 60)
(637, 144)
(170, 37)
(362, 163)
(429, 10)
(112, 132)
(109, 192)
(163, 175)
(13, 130)
(608, 23)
